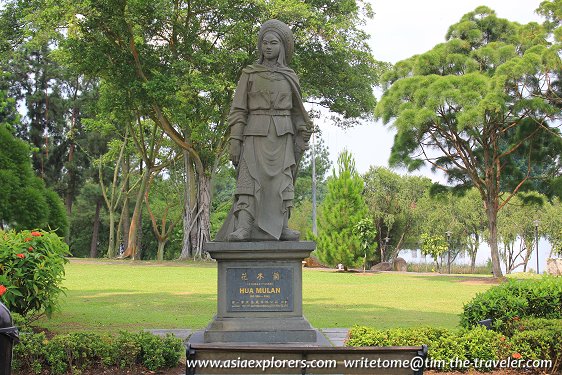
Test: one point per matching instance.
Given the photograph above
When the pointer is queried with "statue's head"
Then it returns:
(276, 29)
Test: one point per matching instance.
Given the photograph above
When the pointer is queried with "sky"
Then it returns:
(400, 29)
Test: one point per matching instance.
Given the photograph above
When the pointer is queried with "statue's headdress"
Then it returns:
(284, 32)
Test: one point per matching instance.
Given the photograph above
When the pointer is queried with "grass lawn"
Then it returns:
(116, 295)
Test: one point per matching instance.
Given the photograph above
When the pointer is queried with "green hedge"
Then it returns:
(443, 344)
(515, 299)
(71, 353)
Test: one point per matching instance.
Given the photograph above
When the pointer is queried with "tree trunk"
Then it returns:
(111, 244)
(69, 198)
(138, 255)
(161, 245)
(492, 214)
(189, 207)
(132, 248)
(474, 252)
(126, 213)
(95, 231)
(529, 247)
(204, 218)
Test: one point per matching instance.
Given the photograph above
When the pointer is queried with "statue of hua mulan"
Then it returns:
(269, 132)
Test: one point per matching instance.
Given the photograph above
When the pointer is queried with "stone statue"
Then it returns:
(269, 131)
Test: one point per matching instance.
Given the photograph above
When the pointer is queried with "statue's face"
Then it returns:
(270, 46)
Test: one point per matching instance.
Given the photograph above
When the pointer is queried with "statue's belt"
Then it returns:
(271, 112)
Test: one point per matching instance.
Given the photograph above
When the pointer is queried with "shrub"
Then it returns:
(540, 298)
(443, 345)
(537, 338)
(483, 344)
(157, 352)
(77, 352)
(31, 270)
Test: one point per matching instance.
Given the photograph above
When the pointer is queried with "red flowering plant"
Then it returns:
(31, 271)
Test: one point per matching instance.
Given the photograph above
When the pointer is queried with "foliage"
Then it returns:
(516, 221)
(301, 219)
(443, 344)
(515, 299)
(435, 246)
(342, 208)
(538, 338)
(367, 233)
(32, 270)
(551, 225)
(54, 101)
(303, 184)
(25, 202)
(77, 352)
(393, 202)
(462, 217)
(480, 107)
(82, 221)
(223, 187)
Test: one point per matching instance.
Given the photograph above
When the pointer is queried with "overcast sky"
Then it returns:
(400, 29)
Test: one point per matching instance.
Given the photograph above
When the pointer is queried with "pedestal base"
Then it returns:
(260, 293)
(260, 330)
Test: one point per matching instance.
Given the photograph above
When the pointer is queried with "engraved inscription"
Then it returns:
(259, 289)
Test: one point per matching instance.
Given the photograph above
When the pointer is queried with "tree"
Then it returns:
(367, 233)
(89, 231)
(517, 222)
(164, 205)
(342, 208)
(473, 104)
(434, 245)
(392, 201)
(473, 220)
(25, 202)
(55, 100)
(441, 221)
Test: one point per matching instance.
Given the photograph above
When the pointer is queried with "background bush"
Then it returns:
(514, 299)
(76, 352)
(31, 270)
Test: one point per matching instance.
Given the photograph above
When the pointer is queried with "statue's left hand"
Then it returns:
(306, 133)
(234, 151)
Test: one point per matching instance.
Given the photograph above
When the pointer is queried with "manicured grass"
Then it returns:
(116, 295)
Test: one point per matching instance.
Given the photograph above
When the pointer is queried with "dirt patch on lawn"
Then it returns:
(480, 281)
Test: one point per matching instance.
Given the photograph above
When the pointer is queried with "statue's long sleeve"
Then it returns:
(238, 115)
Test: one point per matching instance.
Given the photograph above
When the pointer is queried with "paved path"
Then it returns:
(336, 336)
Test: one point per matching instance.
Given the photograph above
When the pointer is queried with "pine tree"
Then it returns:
(341, 210)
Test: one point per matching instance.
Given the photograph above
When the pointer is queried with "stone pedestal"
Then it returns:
(260, 293)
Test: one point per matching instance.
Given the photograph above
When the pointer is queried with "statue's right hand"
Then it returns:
(235, 149)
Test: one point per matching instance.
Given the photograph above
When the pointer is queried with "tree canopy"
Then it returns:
(343, 208)
(482, 106)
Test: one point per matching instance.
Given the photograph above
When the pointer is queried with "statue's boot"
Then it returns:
(243, 230)
(288, 234)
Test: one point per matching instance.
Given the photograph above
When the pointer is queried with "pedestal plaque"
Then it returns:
(259, 289)
(260, 293)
